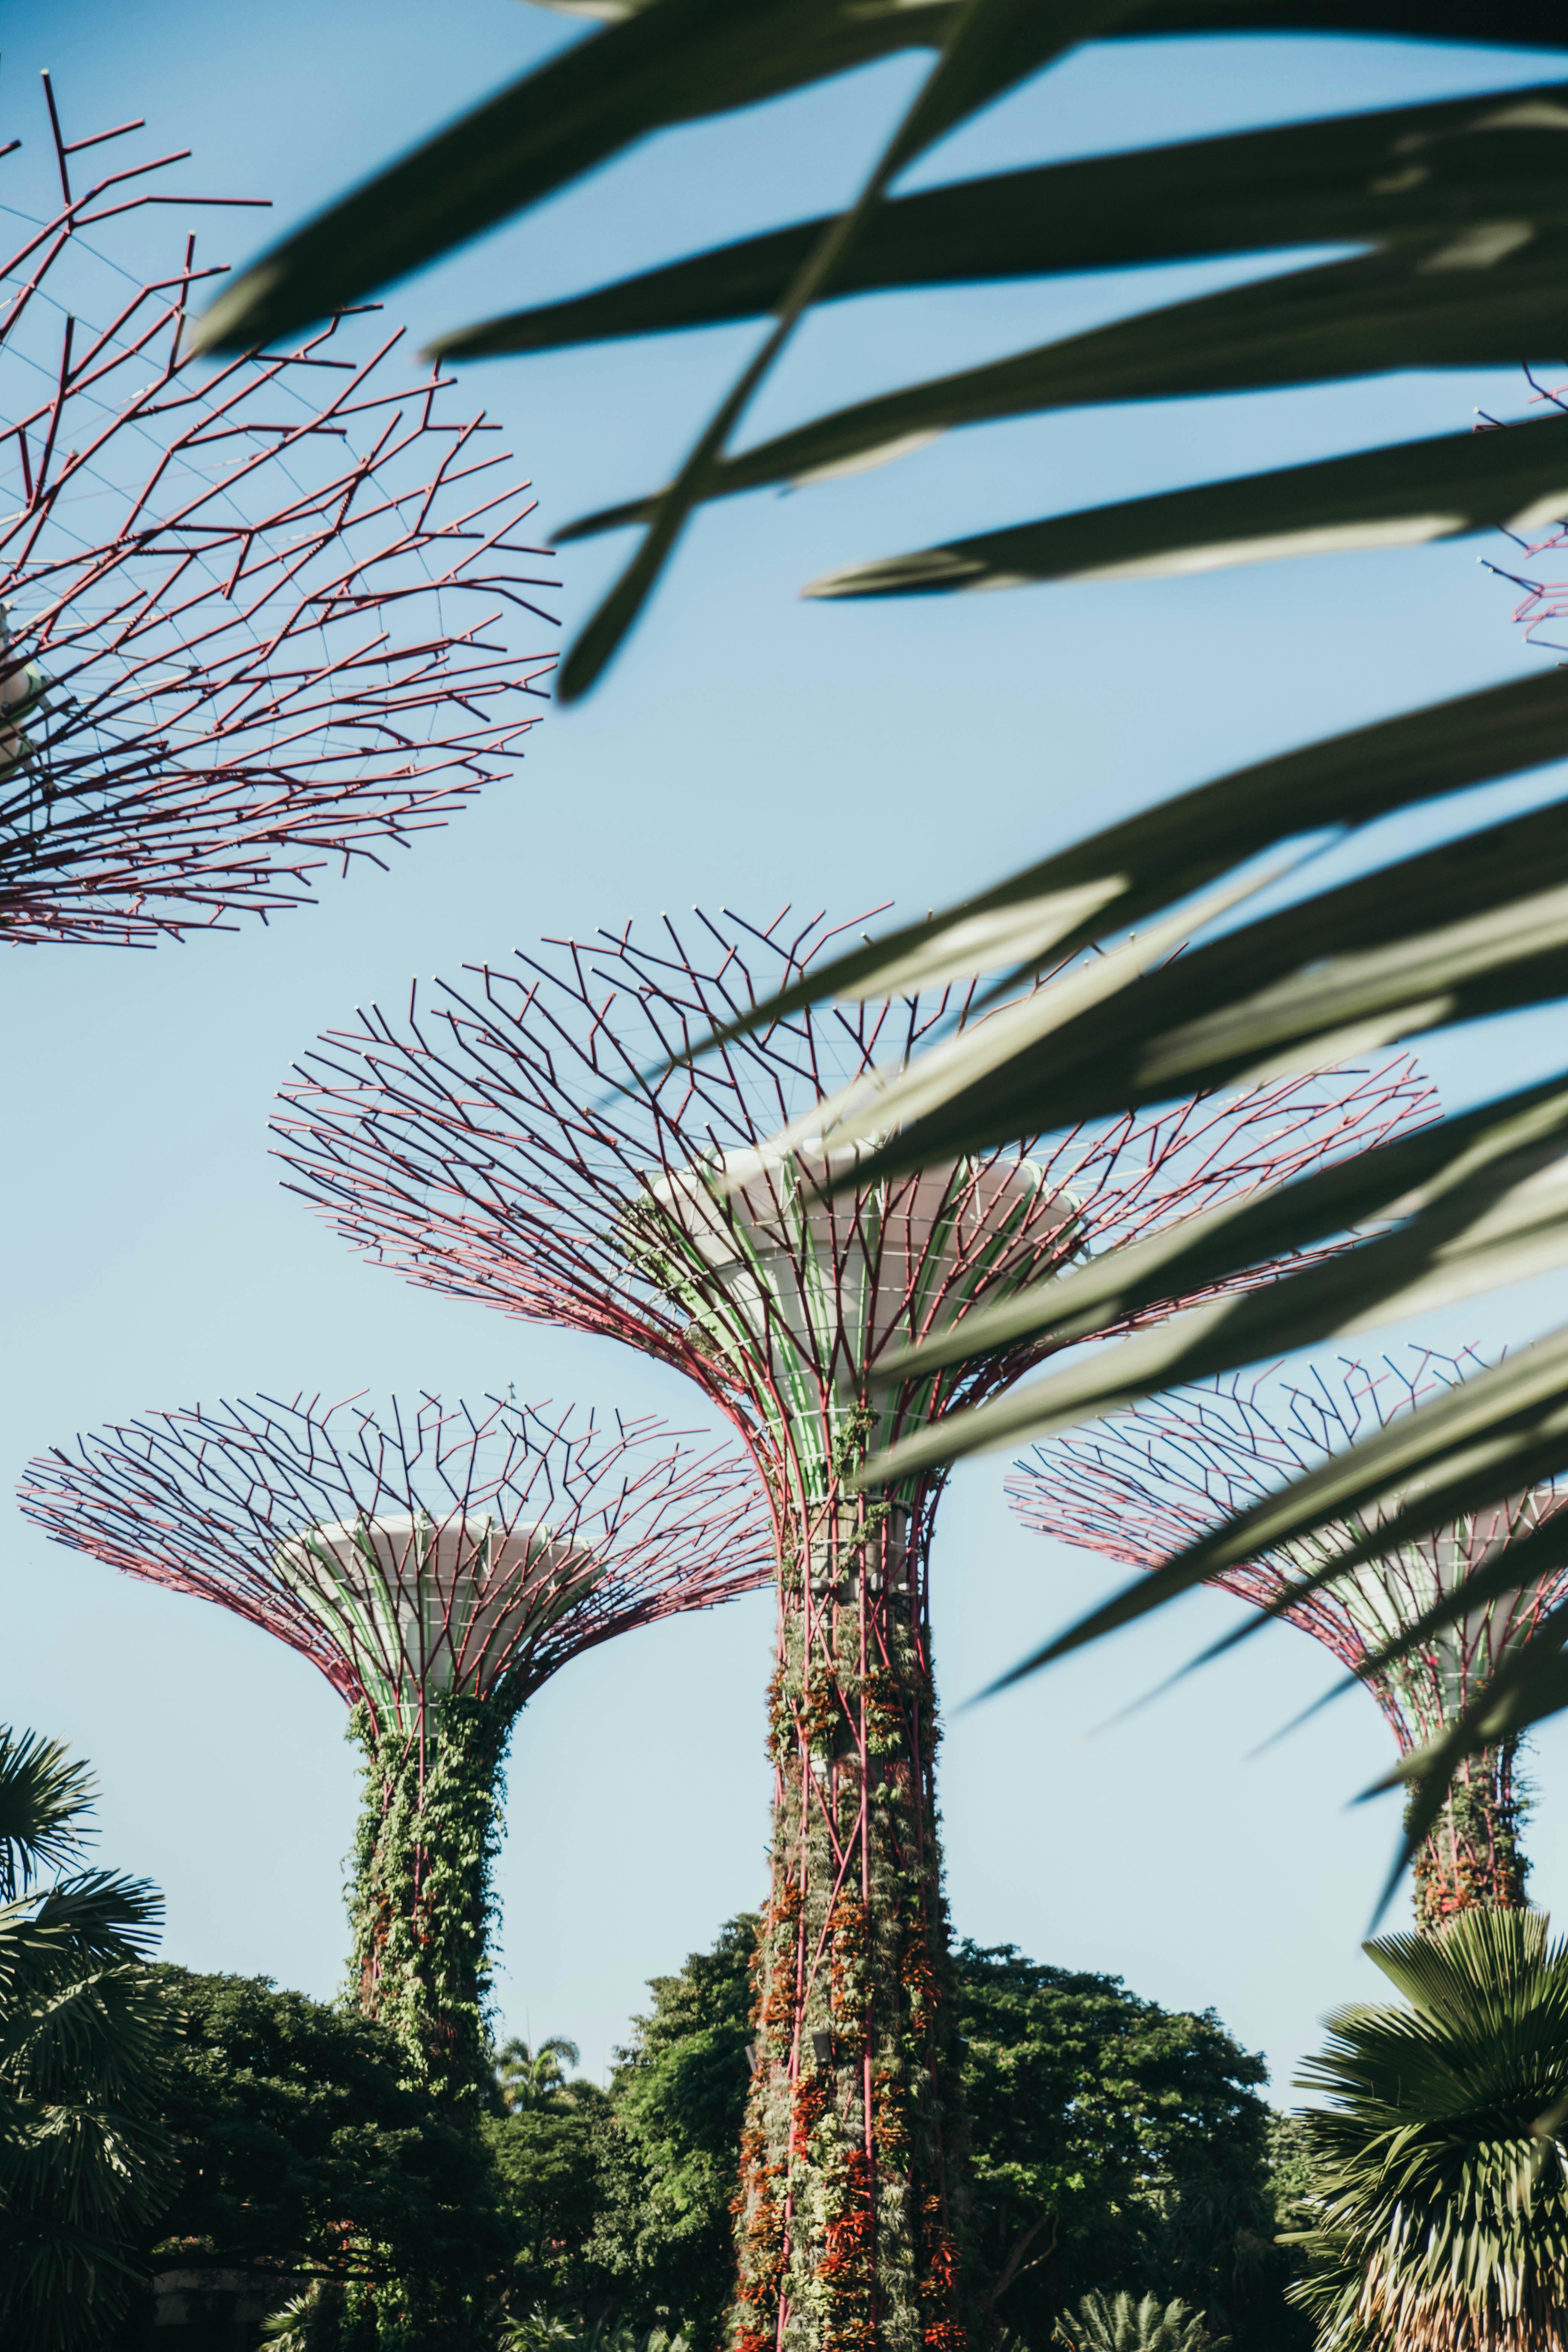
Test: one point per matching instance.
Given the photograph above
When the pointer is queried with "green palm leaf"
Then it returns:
(677, 61)
(1461, 932)
(84, 2043)
(987, 47)
(1465, 206)
(1353, 179)
(1485, 297)
(1146, 864)
(1401, 496)
(1116, 2324)
(1465, 1186)
(1468, 1241)
(674, 61)
(46, 1798)
(1508, 1426)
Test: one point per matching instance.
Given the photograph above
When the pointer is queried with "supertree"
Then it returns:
(1147, 1481)
(535, 1140)
(439, 1566)
(247, 614)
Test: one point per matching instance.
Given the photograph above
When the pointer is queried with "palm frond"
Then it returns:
(1104, 2323)
(46, 1802)
(1340, 181)
(84, 2046)
(1436, 2225)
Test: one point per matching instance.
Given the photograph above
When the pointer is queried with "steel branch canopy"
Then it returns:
(529, 1140)
(1144, 1483)
(254, 619)
(417, 1552)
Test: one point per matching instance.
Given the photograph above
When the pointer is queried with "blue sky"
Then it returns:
(750, 750)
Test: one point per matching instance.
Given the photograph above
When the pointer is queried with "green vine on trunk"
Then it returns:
(420, 1903)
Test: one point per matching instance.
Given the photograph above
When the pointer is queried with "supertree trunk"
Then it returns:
(420, 1906)
(1473, 1858)
(852, 2195)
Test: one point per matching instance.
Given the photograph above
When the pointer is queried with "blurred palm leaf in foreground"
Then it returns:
(1458, 216)
(1461, 206)
(1436, 2229)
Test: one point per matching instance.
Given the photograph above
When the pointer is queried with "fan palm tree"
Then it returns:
(1116, 2324)
(1438, 2226)
(528, 2078)
(83, 2034)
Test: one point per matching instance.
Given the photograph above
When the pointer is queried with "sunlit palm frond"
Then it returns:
(1438, 2226)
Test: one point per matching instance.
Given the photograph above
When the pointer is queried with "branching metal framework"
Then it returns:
(251, 615)
(438, 1565)
(525, 1141)
(1543, 605)
(1144, 1483)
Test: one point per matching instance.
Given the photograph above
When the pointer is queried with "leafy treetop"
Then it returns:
(298, 2147)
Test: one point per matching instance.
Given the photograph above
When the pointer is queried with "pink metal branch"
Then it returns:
(418, 1550)
(252, 617)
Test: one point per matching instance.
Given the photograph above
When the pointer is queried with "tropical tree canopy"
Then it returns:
(552, 2162)
(1115, 2144)
(84, 2160)
(527, 2078)
(1439, 2225)
(299, 2153)
(663, 2237)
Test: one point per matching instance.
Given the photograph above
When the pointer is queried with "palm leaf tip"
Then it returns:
(1405, 495)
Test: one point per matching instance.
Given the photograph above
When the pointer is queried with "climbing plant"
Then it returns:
(421, 1903)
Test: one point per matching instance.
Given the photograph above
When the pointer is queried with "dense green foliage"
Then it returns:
(553, 2161)
(1444, 2220)
(621, 2200)
(1116, 2144)
(83, 2046)
(299, 2148)
(1118, 2147)
(680, 2096)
